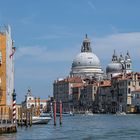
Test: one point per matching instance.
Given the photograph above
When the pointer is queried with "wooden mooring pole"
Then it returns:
(21, 116)
(30, 116)
(54, 112)
(60, 120)
(26, 119)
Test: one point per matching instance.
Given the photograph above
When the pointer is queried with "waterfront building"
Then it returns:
(86, 63)
(33, 102)
(122, 87)
(104, 97)
(88, 96)
(76, 93)
(7, 50)
(136, 100)
(62, 90)
(119, 65)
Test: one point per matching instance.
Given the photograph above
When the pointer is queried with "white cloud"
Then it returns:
(43, 54)
(121, 42)
(103, 46)
(32, 51)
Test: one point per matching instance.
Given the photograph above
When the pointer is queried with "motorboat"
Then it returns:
(41, 119)
(65, 114)
(68, 113)
(88, 113)
(120, 113)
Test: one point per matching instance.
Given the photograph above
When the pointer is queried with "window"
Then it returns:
(128, 65)
(129, 90)
(139, 83)
(41, 106)
(129, 83)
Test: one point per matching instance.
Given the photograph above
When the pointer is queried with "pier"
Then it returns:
(6, 122)
(8, 128)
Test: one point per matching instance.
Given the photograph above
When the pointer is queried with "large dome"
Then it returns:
(86, 63)
(86, 59)
(114, 67)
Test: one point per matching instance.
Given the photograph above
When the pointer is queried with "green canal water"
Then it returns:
(79, 127)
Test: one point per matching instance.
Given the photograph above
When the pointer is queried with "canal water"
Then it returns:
(79, 127)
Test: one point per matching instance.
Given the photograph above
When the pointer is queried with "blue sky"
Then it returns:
(48, 35)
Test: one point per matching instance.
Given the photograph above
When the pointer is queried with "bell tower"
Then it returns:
(114, 57)
(128, 63)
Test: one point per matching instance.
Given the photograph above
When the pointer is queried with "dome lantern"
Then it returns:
(86, 45)
(114, 57)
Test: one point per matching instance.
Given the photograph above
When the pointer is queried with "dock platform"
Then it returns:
(8, 128)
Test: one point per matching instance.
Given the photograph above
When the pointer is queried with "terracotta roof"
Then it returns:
(70, 80)
(127, 76)
(78, 85)
(74, 79)
(105, 83)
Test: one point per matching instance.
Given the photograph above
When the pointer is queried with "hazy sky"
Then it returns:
(48, 34)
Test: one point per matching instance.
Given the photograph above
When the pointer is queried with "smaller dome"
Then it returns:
(114, 67)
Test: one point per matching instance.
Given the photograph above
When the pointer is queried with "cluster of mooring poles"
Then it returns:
(25, 117)
(54, 112)
(24, 114)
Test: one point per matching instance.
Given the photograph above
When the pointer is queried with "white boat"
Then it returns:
(40, 120)
(65, 114)
(120, 113)
(88, 113)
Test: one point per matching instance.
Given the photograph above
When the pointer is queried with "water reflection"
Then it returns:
(12, 136)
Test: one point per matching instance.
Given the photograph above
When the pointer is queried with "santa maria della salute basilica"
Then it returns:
(89, 87)
(87, 65)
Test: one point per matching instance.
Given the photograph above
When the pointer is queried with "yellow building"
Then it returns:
(6, 67)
